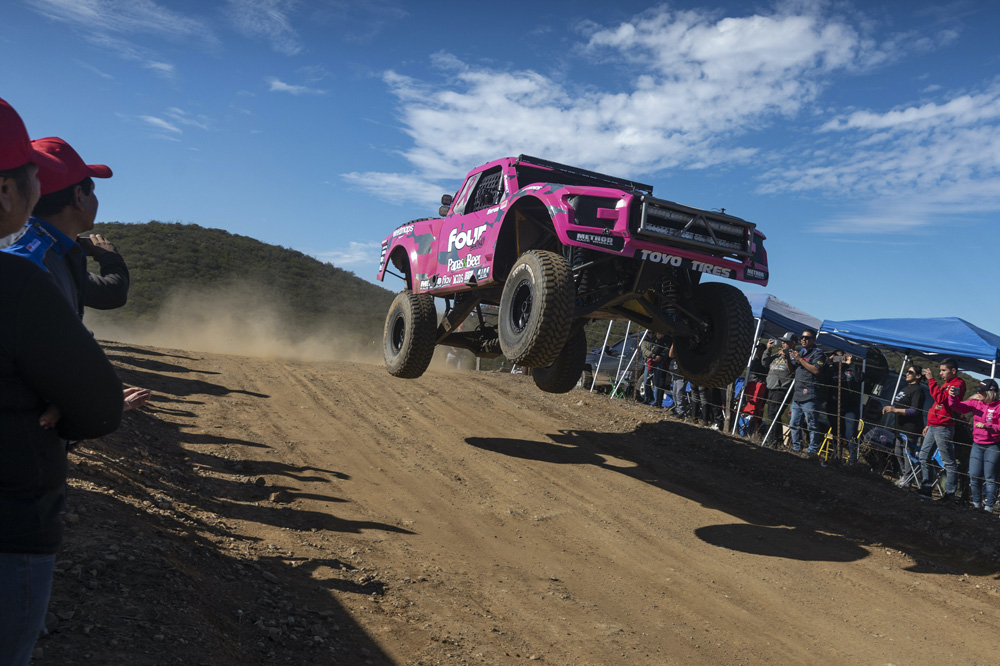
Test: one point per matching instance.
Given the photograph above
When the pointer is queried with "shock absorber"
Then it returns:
(668, 293)
(583, 277)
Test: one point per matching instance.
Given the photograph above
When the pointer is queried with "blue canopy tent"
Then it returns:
(975, 349)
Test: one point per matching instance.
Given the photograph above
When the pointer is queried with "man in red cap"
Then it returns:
(47, 358)
(51, 239)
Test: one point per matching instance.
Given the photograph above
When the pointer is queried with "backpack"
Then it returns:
(881, 438)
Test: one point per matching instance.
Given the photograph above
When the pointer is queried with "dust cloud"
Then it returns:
(242, 319)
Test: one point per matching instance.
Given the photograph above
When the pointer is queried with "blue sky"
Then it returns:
(862, 138)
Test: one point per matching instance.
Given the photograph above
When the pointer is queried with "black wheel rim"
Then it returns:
(520, 306)
(397, 334)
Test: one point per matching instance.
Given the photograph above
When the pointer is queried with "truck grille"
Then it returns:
(709, 231)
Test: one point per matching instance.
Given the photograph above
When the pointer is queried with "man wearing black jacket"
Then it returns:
(52, 238)
(47, 358)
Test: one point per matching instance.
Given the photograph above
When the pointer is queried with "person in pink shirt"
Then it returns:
(983, 462)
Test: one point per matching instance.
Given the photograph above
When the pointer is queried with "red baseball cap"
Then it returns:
(15, 147)
(73, 168)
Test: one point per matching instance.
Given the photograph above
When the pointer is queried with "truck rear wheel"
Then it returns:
(565, 372)
(409, 334)
(536, 308)
(718, 354)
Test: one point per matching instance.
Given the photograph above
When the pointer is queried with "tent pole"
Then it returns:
(746, 375)
(635, 352)
(781, 409)
(861, 396)
(628, 327)
(600, 359)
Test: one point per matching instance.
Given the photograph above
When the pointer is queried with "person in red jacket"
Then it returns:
(940, 431)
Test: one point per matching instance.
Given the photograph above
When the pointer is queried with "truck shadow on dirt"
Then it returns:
(788, 507)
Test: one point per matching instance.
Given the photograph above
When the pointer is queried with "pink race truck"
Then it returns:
(528, 251)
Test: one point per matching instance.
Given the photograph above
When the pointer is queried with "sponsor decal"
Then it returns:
(672, 260)
(754, 274)
(483, 273)
(497, 209)
(424, 284)
(614, 243)
(460, 239)
(405, 229)
(470, 261)
(33, 245)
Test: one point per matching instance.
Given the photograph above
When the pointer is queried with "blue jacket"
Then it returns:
(62, 257)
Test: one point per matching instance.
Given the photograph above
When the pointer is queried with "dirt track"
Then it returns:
(266, 511)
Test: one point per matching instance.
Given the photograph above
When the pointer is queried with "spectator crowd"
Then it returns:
(929, 435)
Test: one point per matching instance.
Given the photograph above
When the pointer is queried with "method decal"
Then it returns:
(614, 243)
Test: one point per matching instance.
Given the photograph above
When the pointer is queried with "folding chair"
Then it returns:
(912, 473)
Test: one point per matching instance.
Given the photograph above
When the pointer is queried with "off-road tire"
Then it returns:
(565, 372)
(716, 356)
(536, 309)
(409, 334)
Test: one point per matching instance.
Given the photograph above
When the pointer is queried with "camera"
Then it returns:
(838, 358)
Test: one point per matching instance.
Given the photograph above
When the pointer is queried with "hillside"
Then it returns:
(185, 273)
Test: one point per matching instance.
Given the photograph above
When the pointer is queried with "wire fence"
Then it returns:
(863, 408)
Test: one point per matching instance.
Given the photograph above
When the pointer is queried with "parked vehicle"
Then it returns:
(619, 360)
(555, 246)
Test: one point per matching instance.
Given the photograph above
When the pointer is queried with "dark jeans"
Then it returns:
(658, 378)
(774, 399)
(680, 396)
(26, 582)
(706, 404)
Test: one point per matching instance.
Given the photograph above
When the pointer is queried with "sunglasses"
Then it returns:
(808, 337)
(910, 372)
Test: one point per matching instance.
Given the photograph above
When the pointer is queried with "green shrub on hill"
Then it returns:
(165, 259)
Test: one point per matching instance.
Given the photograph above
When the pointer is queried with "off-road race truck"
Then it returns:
(549, 247)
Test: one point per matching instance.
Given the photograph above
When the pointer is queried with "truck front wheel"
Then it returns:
(565, 372)
(536, 308)
(408, 337)
(719, 352)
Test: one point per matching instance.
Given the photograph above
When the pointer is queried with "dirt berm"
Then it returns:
(280, 512)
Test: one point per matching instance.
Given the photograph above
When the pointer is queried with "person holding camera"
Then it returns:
(808, 364)
(985, 455)
(779, 378)
(52, 237)
(940, 431)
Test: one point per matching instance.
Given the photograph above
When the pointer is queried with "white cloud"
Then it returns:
(160, 123)
(182, 117)
(277, 85)
(398, 188)
(115, 25)
(356, 254)
(913, 165)
(268, 20)
(706, 82)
